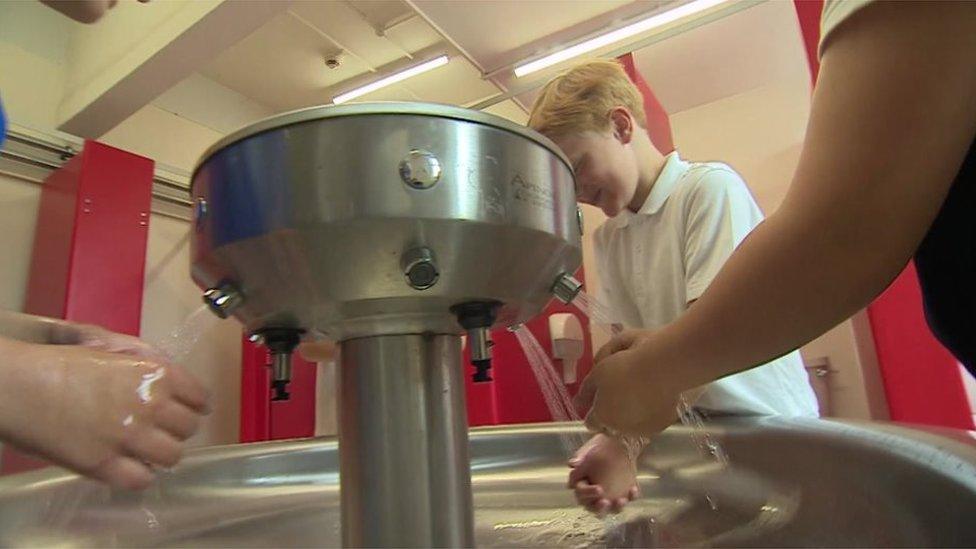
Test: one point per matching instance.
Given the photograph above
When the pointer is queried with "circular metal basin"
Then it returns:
(791, 483)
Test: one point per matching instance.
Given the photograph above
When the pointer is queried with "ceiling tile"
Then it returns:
(349, 30)
(382, 13)
(281, 63)
(211, 104)
(414, 34)
(516, 24)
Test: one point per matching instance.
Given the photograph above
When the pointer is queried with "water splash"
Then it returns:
(599, 314)
(557, 397)
(185, 336)
(706, 443)
(593, 308)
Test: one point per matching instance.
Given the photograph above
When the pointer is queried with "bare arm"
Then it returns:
(893, 115)
(30, 328)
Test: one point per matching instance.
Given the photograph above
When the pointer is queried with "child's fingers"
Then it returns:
(177, 419)
(599, 508)
(618, 343)
(585, 501)
(577, 474)
(188, 390)
(587, 490)
(618, 505)
(580, 455)
(126, 473)
(633, 493)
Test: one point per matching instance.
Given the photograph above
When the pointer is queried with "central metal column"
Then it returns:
(403, 443)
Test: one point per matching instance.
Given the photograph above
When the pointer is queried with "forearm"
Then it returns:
(18, 384)
(788, 283)
(863, 197)
(30, 328)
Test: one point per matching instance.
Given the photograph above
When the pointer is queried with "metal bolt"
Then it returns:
(579, 219)
(420, 169)
(420, 268)
(223, 300)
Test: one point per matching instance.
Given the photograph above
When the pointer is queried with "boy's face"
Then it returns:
(606, 171)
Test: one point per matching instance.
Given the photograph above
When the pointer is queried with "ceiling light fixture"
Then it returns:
(598, 42)
(392, 79)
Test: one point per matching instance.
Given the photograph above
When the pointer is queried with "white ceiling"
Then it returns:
(281, 66)
(758, 46)
(521, 29)
(211, 104)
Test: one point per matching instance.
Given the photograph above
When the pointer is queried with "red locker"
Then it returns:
(264, 419)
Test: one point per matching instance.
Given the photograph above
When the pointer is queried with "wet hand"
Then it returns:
(603, 475)
(96, 337)
(110, 416)
(627, 393)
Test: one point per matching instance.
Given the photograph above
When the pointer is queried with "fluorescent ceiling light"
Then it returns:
(392, 79)
(643, 25)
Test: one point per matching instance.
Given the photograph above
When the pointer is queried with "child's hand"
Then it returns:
(629, 391)
(96, 337)
(110, 416)
(603, 476)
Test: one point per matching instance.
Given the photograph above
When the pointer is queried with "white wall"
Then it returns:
(18, 216)
(759, 133)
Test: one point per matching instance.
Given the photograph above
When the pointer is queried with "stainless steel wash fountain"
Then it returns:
(792, 483)
(392, 228)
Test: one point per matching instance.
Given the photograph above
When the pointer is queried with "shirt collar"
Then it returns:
(674, 168)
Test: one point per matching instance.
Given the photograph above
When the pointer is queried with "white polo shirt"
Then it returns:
(653, 263)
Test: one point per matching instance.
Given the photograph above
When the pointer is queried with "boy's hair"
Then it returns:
(581, 99)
